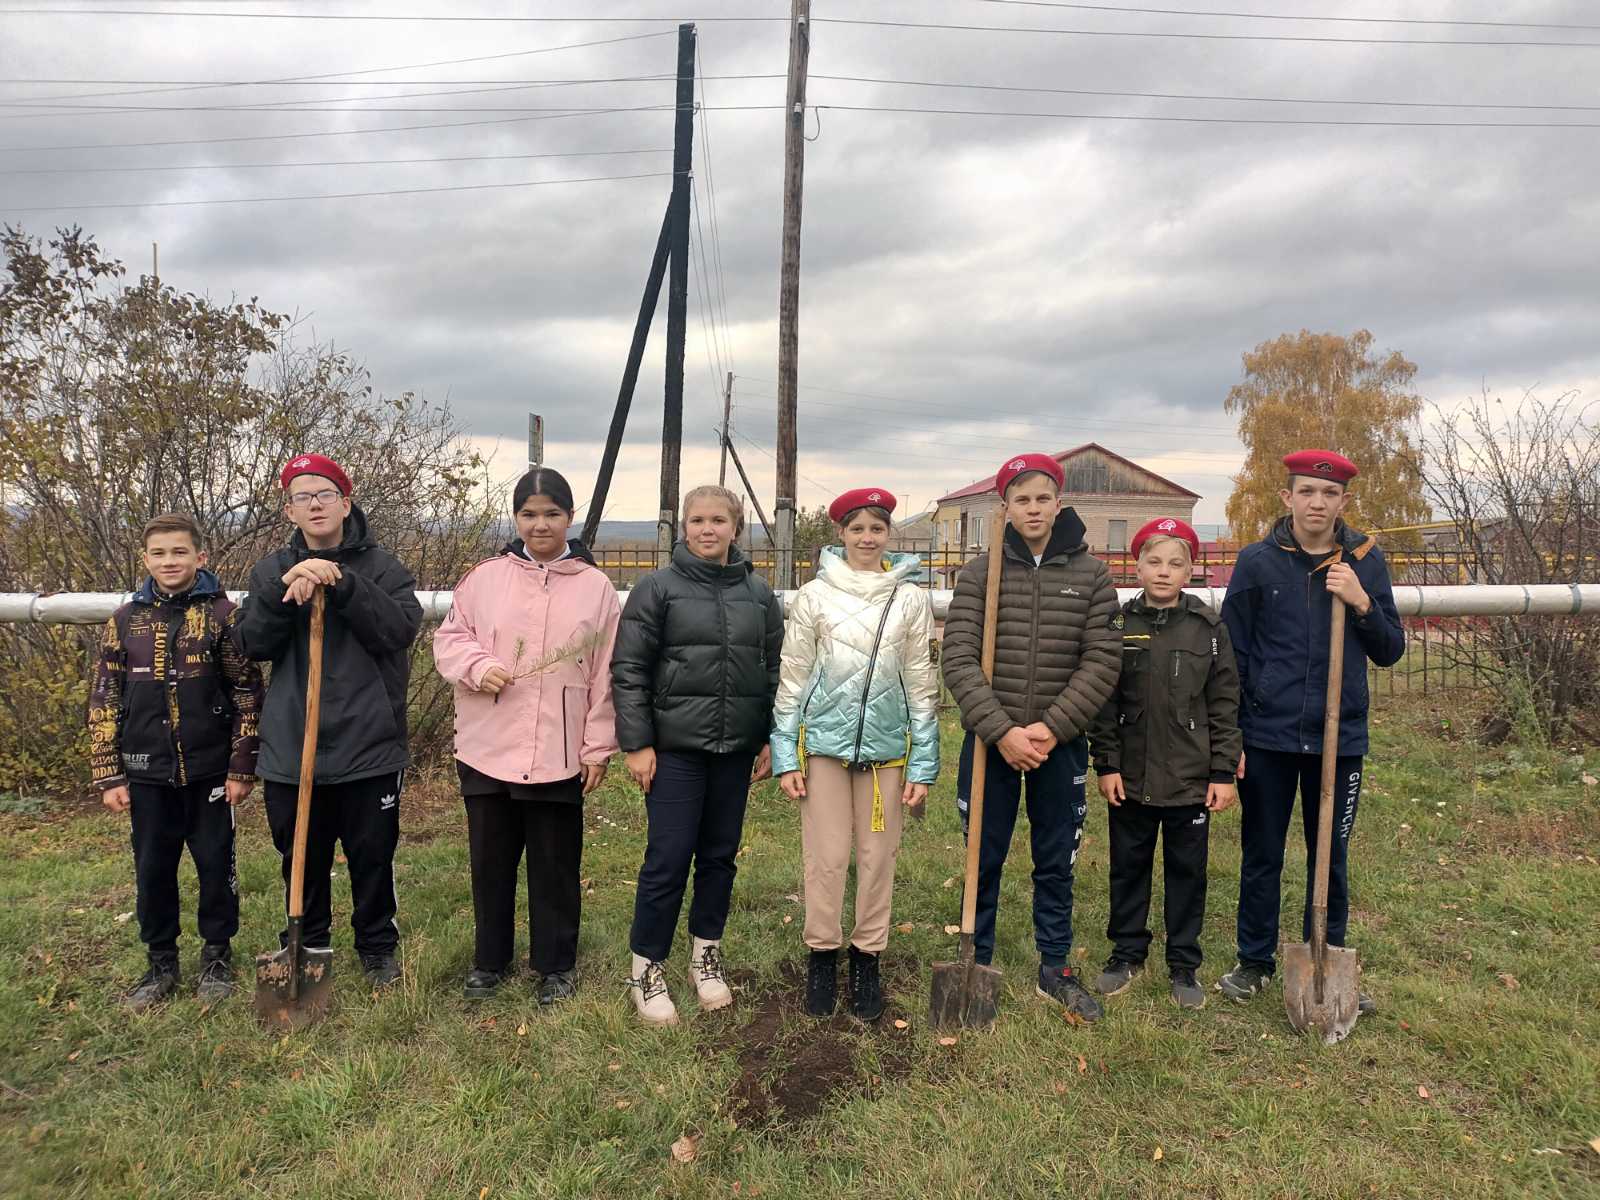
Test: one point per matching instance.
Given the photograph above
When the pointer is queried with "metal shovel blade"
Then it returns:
(1332, 1015)
(283, 1007)
(966, 995)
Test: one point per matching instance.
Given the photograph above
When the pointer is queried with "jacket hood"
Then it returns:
(686, 562)
(205, 586)
(869, 585)
(575, 549)
(1352, 541)
(1066, 537)
(356, 539)
(1186, 604)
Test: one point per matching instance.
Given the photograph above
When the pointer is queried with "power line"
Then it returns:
(467, 187)
(339, 75)
(1052, 91)
(1261, 16)
(1190, 120)
(430, 18)
(337, 162)
(711, 199)
(824, 488)
(279, 137)
(320, 80)
(952, 26)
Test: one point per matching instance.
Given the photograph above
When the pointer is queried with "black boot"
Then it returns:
(866, 989)
(216, 973)
(822, 983)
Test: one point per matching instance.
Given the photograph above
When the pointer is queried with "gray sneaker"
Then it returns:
(1243, 982)
(1117, 977)
(1186, 990)
(158, 984)
(558, 986)
(1365, 1005)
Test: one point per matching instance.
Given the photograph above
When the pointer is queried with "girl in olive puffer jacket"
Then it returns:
(855, 736)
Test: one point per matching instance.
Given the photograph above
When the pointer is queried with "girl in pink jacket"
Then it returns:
(527, 645)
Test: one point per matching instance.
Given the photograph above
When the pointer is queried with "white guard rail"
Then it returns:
(1462, 600)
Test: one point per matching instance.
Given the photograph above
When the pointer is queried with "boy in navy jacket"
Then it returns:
(1277, 610)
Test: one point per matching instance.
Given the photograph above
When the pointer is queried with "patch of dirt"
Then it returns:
(792, 1065)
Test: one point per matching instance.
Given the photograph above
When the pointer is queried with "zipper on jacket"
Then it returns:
(727, 655)
(866, 686)
(1033, 640)
(566, 751)
(169, 697)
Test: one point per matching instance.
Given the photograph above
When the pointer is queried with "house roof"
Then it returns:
(982, 486)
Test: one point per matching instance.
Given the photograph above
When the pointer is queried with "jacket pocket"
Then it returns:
(574, 716)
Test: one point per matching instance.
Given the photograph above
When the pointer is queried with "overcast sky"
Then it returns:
(983, 284)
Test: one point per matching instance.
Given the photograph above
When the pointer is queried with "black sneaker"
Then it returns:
(481, 984)
(1117, 977)
(158, 983)
(866, 987)
(1066, 989)
(381, 970)
(1244, 981)
(1186, 990)
(216, 974)
(822, 983)
(558, 986)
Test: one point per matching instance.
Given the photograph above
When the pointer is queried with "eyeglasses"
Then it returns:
(325, 497)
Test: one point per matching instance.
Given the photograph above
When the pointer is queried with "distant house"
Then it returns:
(1113, 495)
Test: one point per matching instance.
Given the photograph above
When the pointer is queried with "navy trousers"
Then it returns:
(1266, 800)
(695, 813)
(1056, 810)
(164, 820)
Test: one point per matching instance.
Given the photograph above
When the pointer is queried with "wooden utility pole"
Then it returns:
(535, 441)
(794, 162)
(677, 292)
(727, 448)
(727, 420)
(630, 377)
(155, 261)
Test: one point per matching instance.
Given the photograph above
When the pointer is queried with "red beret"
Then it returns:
(1022, 464)
(860, 498)
(1321, 464)
(314, 464)
(1166, 527)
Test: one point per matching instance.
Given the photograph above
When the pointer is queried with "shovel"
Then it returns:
(294, 987)
(966, 994)
(1321, 983)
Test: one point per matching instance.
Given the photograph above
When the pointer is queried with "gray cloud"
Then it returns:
(988, 281)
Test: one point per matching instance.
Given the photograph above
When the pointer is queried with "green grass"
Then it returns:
(1478, 923)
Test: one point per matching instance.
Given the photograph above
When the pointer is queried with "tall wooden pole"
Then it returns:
(727, 421)
(677, 292)
(630, 377)
(794, 161)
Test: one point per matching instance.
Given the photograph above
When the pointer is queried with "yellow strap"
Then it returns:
(877, 803)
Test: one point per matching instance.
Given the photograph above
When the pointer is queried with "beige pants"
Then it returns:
(837, 809)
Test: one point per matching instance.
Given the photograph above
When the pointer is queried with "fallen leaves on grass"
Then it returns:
(901, 1023)
(483, 1193)
(1158, 1155)
(952, 929)
(1061, 1088)
(904, 927)
(624, 1104)
(124, 918)
(616, 1066)
(1510, 980)
(1589, 780)
(522, 1030)
(1424, 1093)
(948, 1041)
(1072, 1018)
(1594, 1144)
(787, 919)
(1083, 1065)
(686, 1148)
(951, 882)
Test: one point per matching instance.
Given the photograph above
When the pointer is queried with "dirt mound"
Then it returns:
(791, 1065)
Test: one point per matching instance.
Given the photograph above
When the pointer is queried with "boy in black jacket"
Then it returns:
(1165, 749)
(372, 618)
(172, 737)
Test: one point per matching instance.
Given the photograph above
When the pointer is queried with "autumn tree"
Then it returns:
(120, 402)
(1334, 393)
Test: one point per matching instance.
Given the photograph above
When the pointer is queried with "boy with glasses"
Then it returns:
(372, 618)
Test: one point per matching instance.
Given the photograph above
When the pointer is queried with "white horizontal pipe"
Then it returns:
(1459, 600)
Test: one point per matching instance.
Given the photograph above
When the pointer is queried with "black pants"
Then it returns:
(1056, 809)
(1266, 799)
(364, 816)
(164, 820)
(696, 813)
(1183, 831)
(499, 829)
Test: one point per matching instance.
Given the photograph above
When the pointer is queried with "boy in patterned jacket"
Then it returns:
(172, 734)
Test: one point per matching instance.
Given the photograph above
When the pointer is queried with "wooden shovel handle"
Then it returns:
(308, 755)
(980, 752)
(1330, 770)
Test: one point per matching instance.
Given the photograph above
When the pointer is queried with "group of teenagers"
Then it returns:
(705, 687)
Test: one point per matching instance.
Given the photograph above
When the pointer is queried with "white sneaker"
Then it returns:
(648, 987)
(705, 969)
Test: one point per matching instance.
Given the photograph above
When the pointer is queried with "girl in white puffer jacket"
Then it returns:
(855, 737)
